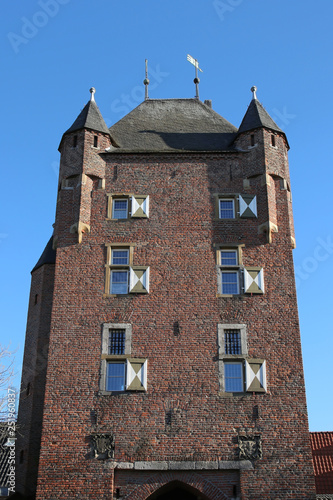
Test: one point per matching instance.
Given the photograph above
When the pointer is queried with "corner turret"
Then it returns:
(267, 147)
(82, 170)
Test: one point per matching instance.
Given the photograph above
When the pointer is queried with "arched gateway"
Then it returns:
(177, 490)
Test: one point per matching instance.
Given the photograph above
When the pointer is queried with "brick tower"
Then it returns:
(163, 355)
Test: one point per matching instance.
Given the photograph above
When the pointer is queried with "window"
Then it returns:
(252, 139)
(227, 208)
(233, 377)
(232, 341)
(125, 206)
(74, 141)
(115, 379)
(120, 208)
(273, 140)
(122, 277)
(116, 341)
(229, 283)
(234, 206)
(119, 371)
(228, 259)
(95, 141)
(238, 373)
(119, 277)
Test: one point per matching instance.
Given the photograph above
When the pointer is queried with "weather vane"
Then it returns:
(196, 79)
(146, 80)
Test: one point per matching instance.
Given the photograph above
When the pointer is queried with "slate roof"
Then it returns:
(255, 117)
(172, 125)
(48, 256)
(322, 454)
(91, 118)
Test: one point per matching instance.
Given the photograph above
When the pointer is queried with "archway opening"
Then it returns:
(176, 490)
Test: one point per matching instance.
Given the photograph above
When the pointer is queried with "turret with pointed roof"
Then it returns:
(257, 117)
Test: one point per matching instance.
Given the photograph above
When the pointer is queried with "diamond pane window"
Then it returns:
(120, 209)
(227, 209)
(119, 282)
(119, 258)
(229, 282)
(233, 377)
(116, 342)
(115, 379)
(232, 342)
(229, 258)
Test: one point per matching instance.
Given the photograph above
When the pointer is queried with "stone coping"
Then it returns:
(185, 465)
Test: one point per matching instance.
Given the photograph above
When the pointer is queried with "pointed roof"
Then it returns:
(172, 125)
(48, 256)
(90, 117)
(256, 117)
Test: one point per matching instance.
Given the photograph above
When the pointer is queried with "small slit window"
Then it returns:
(95, 141)
(273, 140)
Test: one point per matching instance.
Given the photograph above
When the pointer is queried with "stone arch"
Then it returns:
(189, 481)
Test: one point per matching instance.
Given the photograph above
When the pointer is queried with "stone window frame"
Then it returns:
(125, 359)
(254, 370)
(234, 267)
(223, 357)
(129, 197)
(106, 358)
(109, 266)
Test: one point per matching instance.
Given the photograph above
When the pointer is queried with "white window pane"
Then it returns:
(119, 257)
(229, 257)
(119, 282)
(227, 209)
(115, 380)
(230, 282)
(120, 209)
(233, 377)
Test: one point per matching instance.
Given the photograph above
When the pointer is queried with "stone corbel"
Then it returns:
(268, 228)
(266, 180)
(79, 228)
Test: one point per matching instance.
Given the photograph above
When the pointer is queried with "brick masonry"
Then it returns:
(178, 241)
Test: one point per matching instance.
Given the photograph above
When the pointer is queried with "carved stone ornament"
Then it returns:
(103, 445)
(249, 447)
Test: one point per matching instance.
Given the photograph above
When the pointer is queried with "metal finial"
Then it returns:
(196, 79)
(254, 90)
(92, 91)
(146, 80)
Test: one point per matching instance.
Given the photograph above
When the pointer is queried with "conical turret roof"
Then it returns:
(48, 256)
(90, 117)
(256, 117)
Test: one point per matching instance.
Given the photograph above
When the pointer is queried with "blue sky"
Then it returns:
(53, 51)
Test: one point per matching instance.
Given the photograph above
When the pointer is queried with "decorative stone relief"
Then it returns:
(249, 447)
(103, 445)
